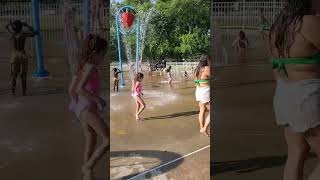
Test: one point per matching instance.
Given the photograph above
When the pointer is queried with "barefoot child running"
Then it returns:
(84, 92)
(137, 95)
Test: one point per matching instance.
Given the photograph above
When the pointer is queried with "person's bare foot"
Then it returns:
(139, 118)
(208, 133)
(86, 172)
(204, 132)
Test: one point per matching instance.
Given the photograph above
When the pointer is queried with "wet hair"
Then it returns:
(287, 24)
(242, 35)
(168, 69)
(139, 75)
(204, 61)
(17, 26)
(115, 69)
(91, 45)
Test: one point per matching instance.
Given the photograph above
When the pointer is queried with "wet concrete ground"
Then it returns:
(248, 145)
(39, 138)
(170, 131)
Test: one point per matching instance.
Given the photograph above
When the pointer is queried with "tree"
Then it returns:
(178, 29)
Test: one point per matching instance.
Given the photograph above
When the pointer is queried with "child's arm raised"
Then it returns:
(8, 27)
(31, 32)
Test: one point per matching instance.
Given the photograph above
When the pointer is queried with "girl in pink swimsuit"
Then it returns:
(85, 100)
(137, 95)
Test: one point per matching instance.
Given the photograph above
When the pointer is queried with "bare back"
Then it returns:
(306, 44)
(19, 41)
(203, 75)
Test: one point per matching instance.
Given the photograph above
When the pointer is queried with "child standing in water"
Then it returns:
(137, 95)
(263, 24)
(202, 76)
(19, 60)
(169, 75)
(295, 48)
(185, 74)
(116, 72)
(150, 69)
(84, 92)
(241, 43)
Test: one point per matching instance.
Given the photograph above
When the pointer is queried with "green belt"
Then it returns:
(201, 81)
(279, 63)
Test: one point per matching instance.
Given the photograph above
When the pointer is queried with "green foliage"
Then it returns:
(178, 28)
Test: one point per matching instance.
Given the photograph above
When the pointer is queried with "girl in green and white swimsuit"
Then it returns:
(202, 75)
(296, 62)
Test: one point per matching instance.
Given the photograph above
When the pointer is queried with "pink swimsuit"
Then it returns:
(93, 85)
(137, 91)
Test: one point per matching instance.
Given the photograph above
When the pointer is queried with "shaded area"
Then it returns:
(175, 115)
(248, 165)
(222, 85)
(163, 156)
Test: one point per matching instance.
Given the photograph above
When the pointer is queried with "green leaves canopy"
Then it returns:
(179, 29)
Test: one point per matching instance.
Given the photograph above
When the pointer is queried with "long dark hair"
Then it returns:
(92, 44)
(17, 26)
(287, 24)
(242, 35)
(138, 76)
(204, 61)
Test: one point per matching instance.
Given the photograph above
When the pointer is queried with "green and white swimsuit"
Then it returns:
(297, 104)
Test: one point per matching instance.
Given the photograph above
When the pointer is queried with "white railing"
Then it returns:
(176, 66)
(244, 14)
(237, 15)
(51, 18)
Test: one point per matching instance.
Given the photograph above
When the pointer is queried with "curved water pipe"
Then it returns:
(121, 32)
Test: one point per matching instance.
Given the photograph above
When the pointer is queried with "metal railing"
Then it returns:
(51, 18)
(237, 15)
(244, 14)
(180, 66)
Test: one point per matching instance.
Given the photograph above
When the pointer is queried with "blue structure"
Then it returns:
(121, 32)
(40, 72)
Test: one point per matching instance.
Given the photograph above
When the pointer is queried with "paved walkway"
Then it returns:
(248, 144)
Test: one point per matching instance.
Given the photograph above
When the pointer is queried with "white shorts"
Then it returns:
(80, 106)
(203, 94)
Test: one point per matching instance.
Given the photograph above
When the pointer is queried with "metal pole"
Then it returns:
(40, 72)
(87, 10)
(119, 51)
(137, 45)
